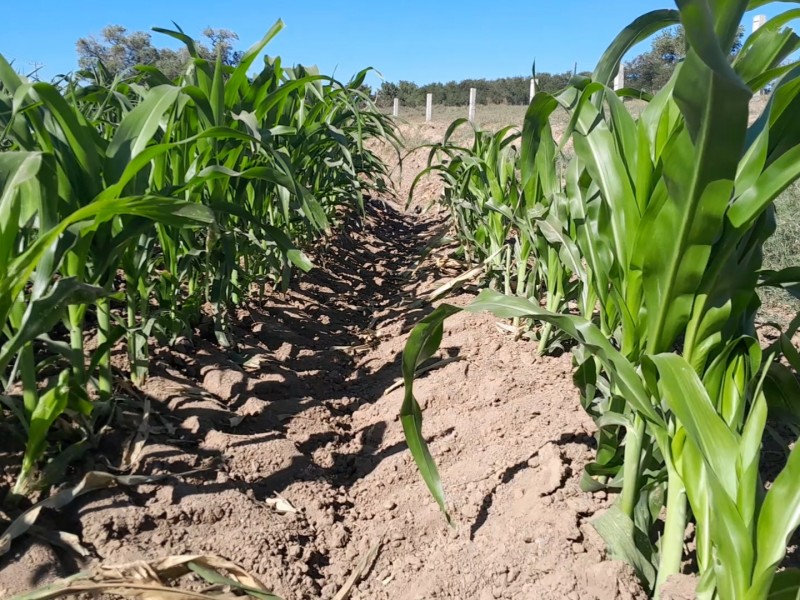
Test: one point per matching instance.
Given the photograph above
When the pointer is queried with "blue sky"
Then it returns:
(416, 40)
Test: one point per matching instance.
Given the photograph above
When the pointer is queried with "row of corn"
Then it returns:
(132, 207)
(644, 247)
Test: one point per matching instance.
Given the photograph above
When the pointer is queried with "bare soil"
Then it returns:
(300, 410)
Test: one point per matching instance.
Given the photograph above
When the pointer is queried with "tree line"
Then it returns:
(505, 90)
(120, 50)
(648, 72)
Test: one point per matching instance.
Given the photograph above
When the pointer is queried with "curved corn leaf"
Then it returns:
(421, 345)
(786, 585)
(778, 519)
(640, 29)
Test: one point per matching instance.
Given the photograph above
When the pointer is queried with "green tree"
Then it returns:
(651, 70)
(386, 94)
(119, 50)
(410, 94)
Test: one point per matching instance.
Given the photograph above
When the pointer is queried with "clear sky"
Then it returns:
(416, 40)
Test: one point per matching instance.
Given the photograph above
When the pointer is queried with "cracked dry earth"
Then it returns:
(301, 410)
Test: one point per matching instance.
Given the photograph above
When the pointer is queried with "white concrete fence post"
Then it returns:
(473, 97)
(396, 108)
(429, 108)
(758, 22)
(619, 80)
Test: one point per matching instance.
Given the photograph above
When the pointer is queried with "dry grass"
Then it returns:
(782, 250)
(487, 117)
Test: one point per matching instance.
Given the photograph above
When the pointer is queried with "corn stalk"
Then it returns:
(669, 213)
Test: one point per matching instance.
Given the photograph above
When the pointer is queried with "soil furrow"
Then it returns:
(299, 409)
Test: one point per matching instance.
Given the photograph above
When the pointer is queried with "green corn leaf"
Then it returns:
(626, 542)
(138, 128)
(778, 519)
(772, 182)
(700, 166)
(44, 312)
(640, 29)
(155, 76)
(51, 405)
(786, 585)
(787, 279)
(239, 77)
(299, 260)
(9, 77)
(682, 390)
(179, 35)
(709, 444)
(538, 148)
(423, 341)
(19, 173)
(217, 96)
(80, 137)
(767, 48)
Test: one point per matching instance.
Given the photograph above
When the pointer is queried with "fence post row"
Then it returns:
(619, 83)
(758, 22)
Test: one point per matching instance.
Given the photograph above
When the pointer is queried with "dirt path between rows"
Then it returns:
(301, 410)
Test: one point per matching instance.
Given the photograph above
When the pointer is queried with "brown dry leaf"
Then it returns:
(62, 539)
(148, 580)
(364, 565)
(94, 480)
(133, 451)
(254, 362)
(454, 284)
(281, 504)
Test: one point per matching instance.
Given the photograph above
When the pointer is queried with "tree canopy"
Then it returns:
(651, 70)
(120, 50)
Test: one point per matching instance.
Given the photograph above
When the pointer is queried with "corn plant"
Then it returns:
(32, 301)
(481, 193)
(503, 223)
(126, 204)
(669, 213)
(288, 155)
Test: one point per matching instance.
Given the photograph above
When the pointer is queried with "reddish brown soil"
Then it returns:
(308, 418)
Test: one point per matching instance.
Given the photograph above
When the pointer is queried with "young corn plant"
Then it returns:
(287, 155)
(669, 213)
(126, 204)
(481, 193)
(501, 225)
(33, 300)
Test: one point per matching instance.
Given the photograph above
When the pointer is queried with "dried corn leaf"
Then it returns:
(94, 480)
(363, 567)
(150, 581)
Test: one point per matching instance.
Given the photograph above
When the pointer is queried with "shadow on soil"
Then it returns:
(299, 370)
(298, 356)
